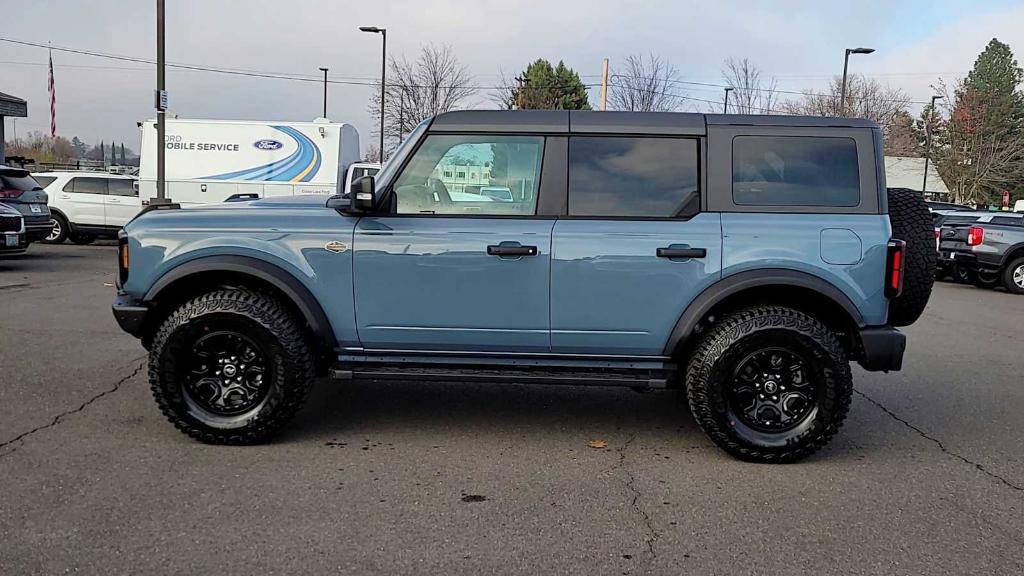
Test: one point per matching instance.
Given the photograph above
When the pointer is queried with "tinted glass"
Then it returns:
(44, 181)
(447, 173)
(121, 187)
(18, 181)
(88, 185)
(795, 171)
(1007, 220)
(951, 220)
(638, 177)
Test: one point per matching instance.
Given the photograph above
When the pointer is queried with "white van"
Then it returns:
(209, 161)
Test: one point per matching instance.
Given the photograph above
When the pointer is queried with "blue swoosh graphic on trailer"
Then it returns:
(300, 166)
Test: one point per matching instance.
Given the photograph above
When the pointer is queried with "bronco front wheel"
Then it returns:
(769, 384)
(230, 367)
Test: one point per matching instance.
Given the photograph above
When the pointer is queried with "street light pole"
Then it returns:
(846, 65)
(725, 109)
(324, 70)
(161, 110)
(383, 71)
(928, 140)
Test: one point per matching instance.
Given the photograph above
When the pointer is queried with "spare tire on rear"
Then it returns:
(912, 222)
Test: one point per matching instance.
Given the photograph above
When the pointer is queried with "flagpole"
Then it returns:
(51, 87)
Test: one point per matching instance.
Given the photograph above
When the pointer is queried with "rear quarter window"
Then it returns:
(795, 171)
(45, 181)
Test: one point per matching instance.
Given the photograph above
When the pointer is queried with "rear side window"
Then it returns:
(83, 185)
(953, 220)
(795, 171)
(1007, 220)
(632, 177)
(45, 181)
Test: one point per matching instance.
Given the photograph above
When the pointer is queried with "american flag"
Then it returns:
(53, 101)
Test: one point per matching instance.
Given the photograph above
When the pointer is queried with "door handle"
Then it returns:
(64, 196)
(681, 251)
(113, 201)
(511, 250)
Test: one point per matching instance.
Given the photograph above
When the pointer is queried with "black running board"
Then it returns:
(633, 378)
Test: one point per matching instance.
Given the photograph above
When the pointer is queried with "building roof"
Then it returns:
(588, 121)
(904, 172)
(13, 106)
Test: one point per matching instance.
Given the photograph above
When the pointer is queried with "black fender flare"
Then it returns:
(274, 275)
(1009, 254)
(741, 281)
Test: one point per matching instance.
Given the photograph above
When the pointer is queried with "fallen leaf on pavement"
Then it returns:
(598, 444)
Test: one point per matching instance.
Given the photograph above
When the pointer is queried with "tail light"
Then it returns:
(122, 257)
(10, 192)
(975, 235)
(895, 264)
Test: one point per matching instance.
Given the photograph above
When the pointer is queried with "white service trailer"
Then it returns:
(210, 161)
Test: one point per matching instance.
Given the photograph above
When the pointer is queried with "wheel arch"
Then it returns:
(781, 286)
(202, 274)
(1015, 251)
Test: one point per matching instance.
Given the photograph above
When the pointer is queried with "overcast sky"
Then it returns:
(801, 43)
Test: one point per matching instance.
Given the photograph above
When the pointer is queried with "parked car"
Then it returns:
(944, 267)
(990, 249)
(745, 260)
(12, 232)
(87, 205)
(497, 193)
(21, 192)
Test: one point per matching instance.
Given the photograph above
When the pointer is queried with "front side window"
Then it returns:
(122, 187)
(632, 177)
(435, 180)
(795, 171)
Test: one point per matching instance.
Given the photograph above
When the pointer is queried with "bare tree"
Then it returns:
(434, 83)
(644, 85)
(865, 98)
(751, 94)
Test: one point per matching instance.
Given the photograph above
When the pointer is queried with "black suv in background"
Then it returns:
(21, 192)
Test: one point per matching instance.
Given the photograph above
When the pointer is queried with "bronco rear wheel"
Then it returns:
(230, 367)
(769, 384)
(912, 223)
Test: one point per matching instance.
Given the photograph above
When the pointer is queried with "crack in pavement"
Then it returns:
(630, 485)
(57, 419)
(939, 443)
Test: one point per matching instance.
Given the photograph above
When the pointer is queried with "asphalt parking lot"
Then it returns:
(927, 476)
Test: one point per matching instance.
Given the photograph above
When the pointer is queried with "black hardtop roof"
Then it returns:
(589, 121)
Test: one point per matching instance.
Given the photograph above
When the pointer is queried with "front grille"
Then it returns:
(10, 224)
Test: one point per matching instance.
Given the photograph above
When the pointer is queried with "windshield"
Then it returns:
(387, 172)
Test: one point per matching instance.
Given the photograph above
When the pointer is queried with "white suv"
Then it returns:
(85, 205)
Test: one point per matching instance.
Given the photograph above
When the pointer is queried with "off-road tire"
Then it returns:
(709, 373)
(912, 222)
(1008, 276)
(62, 234)
(264, 319)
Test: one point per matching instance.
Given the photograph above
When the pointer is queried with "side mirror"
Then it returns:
(364, 194)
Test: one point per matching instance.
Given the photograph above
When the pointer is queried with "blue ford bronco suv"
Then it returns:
(744, 260)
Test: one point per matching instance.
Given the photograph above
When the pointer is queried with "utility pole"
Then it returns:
(324, 70)
(161, 110)
(928, 141)
(725, 108)
(604, 85)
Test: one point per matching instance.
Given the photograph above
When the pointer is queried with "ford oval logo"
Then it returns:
(267, 145)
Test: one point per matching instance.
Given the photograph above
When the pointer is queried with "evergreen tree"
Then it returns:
(113, 153)
(124, 160)
(80, 148)
(545, 87)
(983, 139)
